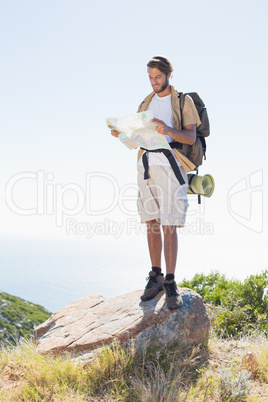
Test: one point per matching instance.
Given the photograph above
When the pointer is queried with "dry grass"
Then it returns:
(216, 373)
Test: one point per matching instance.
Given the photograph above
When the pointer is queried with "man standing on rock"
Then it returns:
(162, 180)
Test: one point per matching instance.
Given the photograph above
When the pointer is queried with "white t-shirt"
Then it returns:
(161, 107)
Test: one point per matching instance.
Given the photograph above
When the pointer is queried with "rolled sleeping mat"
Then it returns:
(201, 185)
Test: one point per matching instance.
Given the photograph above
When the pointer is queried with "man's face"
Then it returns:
(159, 80)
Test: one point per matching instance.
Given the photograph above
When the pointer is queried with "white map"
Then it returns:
(137, 130)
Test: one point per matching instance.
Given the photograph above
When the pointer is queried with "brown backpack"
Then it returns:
(196, 152)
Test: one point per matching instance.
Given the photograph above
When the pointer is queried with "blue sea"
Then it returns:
(55, 273)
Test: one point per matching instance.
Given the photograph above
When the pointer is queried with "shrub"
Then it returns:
(235, 307)
(234, 388)
(18, 317)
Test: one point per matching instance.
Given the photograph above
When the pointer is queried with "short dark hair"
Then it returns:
(161, 63)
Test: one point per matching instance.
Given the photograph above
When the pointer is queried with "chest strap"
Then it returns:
(170, 158)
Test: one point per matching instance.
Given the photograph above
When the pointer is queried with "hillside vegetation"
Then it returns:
(18, 317)
(235, 307)
(233, 367)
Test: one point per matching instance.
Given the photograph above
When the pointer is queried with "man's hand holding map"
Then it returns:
(137, 130)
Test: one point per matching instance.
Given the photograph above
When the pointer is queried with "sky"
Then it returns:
(67, 65)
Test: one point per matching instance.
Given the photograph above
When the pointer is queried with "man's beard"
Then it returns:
(162, 88)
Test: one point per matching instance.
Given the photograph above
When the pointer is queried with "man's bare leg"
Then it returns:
(173, 299)
(154, 239)
(170, 248)
(156, 279)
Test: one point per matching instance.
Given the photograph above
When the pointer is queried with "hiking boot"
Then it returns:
(173, 299)
(153, 287)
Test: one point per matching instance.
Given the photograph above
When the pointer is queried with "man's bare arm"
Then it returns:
(185, 136)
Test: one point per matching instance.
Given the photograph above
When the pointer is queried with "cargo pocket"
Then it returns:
(181, 206)
(139, 203)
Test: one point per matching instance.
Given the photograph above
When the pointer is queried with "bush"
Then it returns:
(234, 388)
(234, 307)
(18, 317)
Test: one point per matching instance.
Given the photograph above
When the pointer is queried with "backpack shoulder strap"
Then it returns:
(181, 96)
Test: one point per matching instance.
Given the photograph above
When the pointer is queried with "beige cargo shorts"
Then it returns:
(162, 197)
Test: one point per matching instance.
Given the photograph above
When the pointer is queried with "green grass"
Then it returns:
(173, 373)
(233, 366)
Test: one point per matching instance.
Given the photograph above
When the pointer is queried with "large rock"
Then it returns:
(93, 321)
